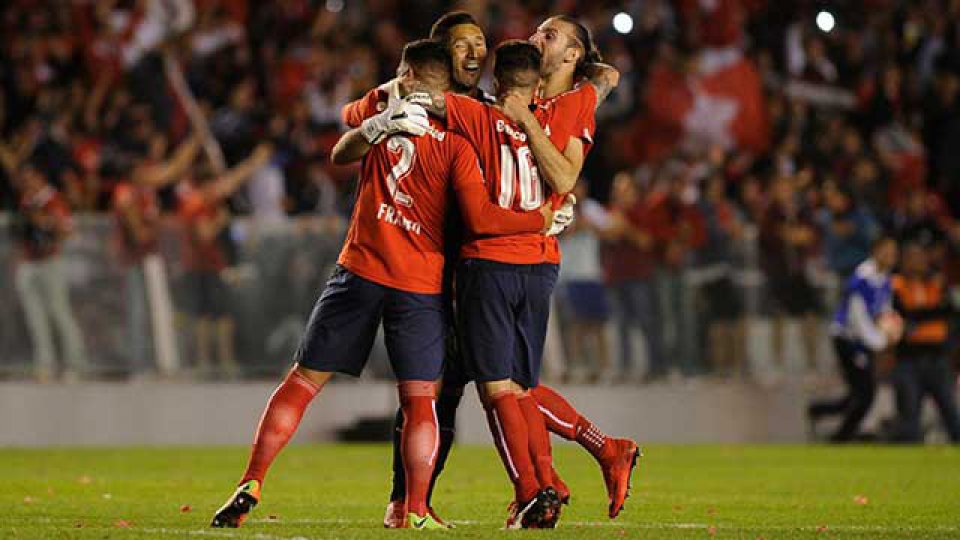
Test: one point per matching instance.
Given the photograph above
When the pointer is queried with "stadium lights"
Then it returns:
(623, 23)
(825, 21)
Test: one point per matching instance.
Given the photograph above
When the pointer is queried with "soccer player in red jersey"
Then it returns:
(467, 44)
(390, 270)
(566, 104)
(504, 285)
(560, 133)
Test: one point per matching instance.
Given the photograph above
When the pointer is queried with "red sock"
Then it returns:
(419, 441)
(279, 422)
(509, 432)
(561, 418)
(539, 439)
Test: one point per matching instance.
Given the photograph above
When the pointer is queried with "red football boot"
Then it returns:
(617, 471)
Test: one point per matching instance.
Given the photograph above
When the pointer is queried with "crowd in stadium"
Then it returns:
(740, 129)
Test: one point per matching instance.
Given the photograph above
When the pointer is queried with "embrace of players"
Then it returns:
(452, 248)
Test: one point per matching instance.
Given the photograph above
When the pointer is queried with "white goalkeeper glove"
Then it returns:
(399, 117)
(563, 217)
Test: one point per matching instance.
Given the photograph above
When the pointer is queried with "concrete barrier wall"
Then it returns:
(114, 414)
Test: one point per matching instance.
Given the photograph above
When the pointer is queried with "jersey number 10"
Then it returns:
(531, 189)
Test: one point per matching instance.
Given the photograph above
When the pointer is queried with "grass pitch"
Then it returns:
(339, 491)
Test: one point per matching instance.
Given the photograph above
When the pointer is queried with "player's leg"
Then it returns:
(532, 320)
(510, 436)
(617, 457)
(816, 410)
(338, 338)
(448, 401)
(908, 397)
(485, 292)
(859, 374)
(414, 335)
(396, 514)
(449, 395)
(940, 381)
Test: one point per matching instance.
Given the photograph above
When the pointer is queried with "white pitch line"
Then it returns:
(215, 534)
(668, 526)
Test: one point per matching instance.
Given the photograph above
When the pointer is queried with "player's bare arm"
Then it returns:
(604, 79)
(134, 220)
(231, 180)
(559, 169)
(351, 147)
(174, 169)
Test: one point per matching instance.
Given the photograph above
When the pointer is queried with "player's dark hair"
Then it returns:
(512, 59)
(591, 54)
(440, 30)
(427, 54)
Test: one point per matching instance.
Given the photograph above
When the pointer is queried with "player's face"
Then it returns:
(557, 43)
(468, 47)
(886, 255)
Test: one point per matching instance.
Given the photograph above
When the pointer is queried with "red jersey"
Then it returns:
(198, 254)
(396, 234)
(45, 241)
(143, 199)
(510, 169)
(570, 114)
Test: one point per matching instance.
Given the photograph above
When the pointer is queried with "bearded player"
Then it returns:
(569, 55)
(389, 271)
(573, 84)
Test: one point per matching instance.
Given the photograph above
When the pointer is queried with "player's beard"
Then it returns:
(460, 88)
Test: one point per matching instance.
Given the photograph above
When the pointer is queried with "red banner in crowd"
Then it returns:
(721, 104)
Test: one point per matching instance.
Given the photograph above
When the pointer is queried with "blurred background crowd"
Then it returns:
(751, 155)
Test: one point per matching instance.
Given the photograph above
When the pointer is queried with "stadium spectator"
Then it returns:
(863, 325)
(788, 241)
(847, 229)
(721, 305)
(872, 104)
(136, 210)
(678, 230)
(629, 263)
(42, 223)
(206, 219)
(922, 368)
(580, 293)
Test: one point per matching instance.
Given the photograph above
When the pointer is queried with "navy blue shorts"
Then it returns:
(502, 314)
(344, 321)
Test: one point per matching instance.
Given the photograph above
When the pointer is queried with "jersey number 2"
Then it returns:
(531, 189)
(405, 148)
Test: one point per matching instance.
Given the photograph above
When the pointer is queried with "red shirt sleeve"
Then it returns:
(481, 216)
(576, 118)
(355, 112)
(466, 116)
(59, 209)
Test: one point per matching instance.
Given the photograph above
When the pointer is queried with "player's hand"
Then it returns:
(563, 217)
(891, 323)
(516, 108)
(399, 116)
(547, 212)
(263, 152)
(391, 88)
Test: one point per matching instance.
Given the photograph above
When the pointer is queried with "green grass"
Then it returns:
(339, 491)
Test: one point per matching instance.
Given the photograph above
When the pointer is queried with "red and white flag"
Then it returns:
(720, 103)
